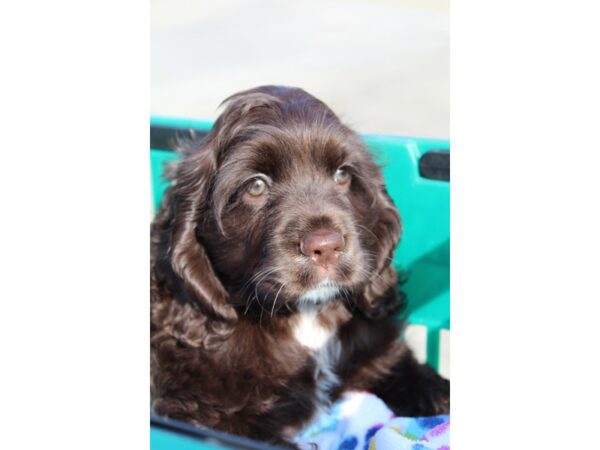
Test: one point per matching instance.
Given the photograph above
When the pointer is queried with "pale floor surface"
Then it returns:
(383, 66)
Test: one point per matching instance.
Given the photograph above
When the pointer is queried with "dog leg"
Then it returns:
(414, 390)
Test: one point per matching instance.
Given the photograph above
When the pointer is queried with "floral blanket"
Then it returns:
(362, 421)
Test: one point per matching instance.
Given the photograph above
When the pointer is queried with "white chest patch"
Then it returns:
(309, 332)
(325, 350)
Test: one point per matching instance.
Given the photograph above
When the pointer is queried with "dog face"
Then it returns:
(280, 205)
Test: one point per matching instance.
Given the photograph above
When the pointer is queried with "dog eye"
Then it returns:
(257, 187)
(342, 176)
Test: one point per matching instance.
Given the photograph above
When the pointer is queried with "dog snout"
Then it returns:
(323, 246)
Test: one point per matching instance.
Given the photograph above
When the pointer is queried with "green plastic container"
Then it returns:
(416, 171)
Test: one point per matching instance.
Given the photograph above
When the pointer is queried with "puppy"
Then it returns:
(272, 289)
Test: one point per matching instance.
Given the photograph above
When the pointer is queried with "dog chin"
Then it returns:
(324, 291)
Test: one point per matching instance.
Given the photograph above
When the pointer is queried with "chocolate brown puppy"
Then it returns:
(272, 289)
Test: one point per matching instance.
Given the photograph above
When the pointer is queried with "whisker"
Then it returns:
(273, 308)
(248, 303)
(371, 232)
(254, 277)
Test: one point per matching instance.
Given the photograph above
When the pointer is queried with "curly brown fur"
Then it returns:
(235, 296)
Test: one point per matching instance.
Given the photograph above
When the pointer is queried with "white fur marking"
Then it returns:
(325, 290)
(325, 347)
(326, 379)
(309, 332)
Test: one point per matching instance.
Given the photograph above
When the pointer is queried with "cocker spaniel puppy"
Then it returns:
(272, 286)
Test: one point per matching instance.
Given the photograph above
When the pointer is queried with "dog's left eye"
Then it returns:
(342, 176)
(257, 187)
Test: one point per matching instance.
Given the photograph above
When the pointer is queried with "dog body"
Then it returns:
(272, 287)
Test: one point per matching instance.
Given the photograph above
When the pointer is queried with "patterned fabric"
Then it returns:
(361, 421)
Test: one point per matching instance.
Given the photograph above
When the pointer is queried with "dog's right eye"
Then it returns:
(342, 176)
(257, 187)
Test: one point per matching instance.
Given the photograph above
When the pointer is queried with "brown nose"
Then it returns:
(322, 246)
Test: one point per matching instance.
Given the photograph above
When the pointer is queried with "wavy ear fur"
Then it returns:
(181, 259)
(380, 297)
(187, 200)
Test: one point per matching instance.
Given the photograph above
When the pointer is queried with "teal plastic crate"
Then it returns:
(416, 172)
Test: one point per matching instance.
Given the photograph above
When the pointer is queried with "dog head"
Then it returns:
(280, 205)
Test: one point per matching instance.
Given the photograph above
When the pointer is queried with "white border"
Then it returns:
(74, 228)
(525, 219)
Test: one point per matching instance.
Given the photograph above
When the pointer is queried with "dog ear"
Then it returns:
(379, 297)
(182, 209)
